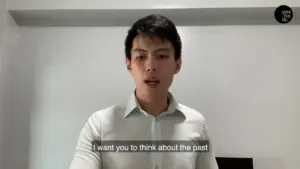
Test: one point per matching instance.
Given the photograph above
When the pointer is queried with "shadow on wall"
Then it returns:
(16, 139)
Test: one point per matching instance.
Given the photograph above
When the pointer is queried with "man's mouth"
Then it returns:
(152, 82)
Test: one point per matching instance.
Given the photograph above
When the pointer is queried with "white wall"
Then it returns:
(245, 80)
(2, 13)
(137, 4)
(2, 5)
(8, 45)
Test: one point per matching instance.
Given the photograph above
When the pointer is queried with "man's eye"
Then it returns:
(163, 56)
(141, 57)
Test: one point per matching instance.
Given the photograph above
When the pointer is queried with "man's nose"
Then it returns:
(151, 65)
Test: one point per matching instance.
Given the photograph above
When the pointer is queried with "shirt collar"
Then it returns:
(132, 106)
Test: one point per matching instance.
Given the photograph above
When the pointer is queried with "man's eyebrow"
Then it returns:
(139, 50)
(157, 50)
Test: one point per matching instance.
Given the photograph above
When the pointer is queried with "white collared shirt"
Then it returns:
(129, 122)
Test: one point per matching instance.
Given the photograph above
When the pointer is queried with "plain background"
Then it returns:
(146, 4)
(244, 79)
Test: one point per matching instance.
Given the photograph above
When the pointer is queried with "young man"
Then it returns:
(153, 57)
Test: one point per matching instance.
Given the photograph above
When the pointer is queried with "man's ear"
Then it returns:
(178, 65)
(128, 64)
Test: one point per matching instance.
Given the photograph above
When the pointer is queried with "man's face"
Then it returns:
(152, 64)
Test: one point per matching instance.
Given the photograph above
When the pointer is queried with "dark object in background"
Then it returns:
(234, 163)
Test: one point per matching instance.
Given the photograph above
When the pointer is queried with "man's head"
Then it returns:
(153, 54)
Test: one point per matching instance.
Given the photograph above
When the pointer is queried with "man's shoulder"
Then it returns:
(190, 113)
(109, 112)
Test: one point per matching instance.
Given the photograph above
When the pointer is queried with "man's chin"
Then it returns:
(155, 91)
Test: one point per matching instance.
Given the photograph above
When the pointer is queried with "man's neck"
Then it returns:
(153, 105)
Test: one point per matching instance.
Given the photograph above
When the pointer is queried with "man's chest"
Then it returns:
(149, 129)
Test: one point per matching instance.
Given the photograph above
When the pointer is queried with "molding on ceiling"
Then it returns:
(125, 17)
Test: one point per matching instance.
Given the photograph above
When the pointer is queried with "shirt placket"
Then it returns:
(156, 157)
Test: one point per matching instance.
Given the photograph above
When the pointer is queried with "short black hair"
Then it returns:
(154, 25)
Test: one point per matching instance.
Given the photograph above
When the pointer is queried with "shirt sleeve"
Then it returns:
(84, 157)
(206, 160)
